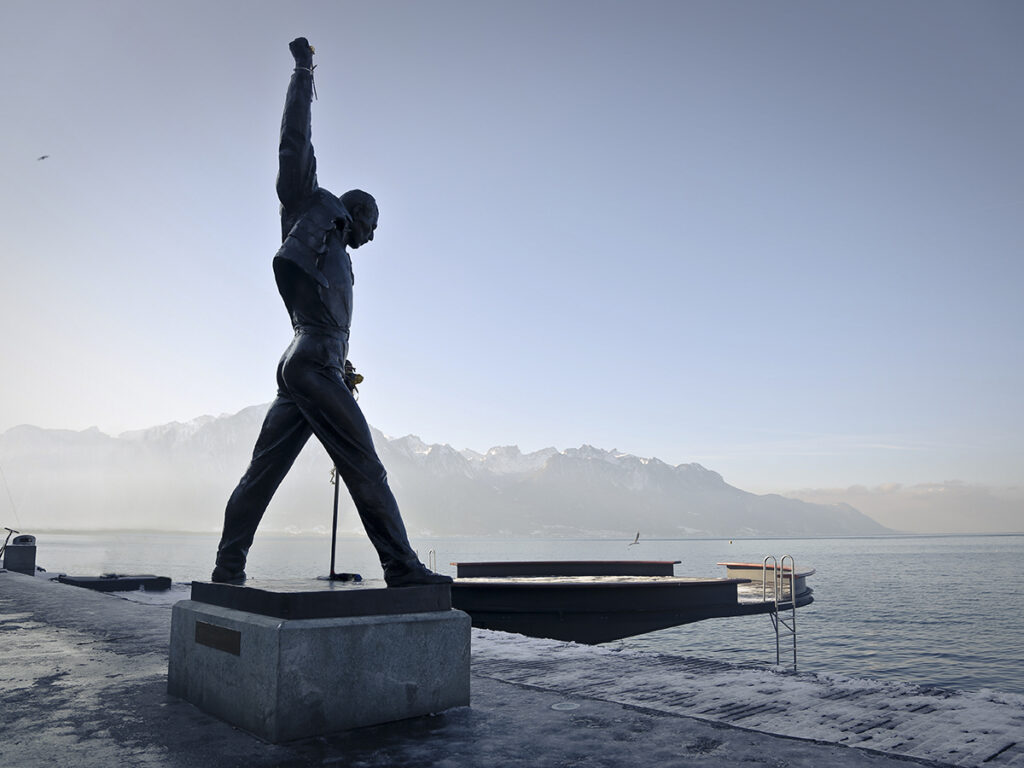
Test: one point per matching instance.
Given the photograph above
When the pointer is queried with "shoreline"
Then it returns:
(884, 607)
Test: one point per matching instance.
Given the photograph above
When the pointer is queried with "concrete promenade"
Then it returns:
(83, 680)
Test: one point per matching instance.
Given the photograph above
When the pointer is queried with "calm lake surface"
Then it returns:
(931, 610)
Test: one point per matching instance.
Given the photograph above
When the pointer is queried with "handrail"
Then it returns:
(792, 598)
(764, 578)
(779, 595)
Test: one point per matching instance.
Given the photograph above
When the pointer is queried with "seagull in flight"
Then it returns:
(42, 157)
(636, 540)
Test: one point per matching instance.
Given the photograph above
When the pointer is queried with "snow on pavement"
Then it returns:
(982, 728)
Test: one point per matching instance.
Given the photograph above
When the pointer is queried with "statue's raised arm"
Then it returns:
(296, 176)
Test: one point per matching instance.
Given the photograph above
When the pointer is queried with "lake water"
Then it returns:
(931, 610)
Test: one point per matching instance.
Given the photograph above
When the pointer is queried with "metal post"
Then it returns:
(334, 523)
(334, 575)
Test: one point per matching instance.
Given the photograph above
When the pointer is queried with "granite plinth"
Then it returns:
(312, 599)
(290, 678)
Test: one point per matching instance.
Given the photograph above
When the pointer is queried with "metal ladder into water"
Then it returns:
(779, 601)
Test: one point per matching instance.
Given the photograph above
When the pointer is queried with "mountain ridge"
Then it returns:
(180, 474)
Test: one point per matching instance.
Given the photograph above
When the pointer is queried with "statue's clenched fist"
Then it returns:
(302, 52)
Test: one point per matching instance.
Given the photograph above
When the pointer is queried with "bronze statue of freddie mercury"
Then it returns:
(313, 271)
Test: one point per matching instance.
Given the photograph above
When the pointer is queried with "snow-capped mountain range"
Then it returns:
(178, 477)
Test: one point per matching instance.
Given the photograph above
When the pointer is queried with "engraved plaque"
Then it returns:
(221, 638)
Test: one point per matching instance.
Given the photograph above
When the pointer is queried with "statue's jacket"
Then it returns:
(312, 268)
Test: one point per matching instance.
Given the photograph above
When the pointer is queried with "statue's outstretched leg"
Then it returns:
(282, 436)
(328, 406)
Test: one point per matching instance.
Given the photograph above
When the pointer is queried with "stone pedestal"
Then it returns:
(391, 654)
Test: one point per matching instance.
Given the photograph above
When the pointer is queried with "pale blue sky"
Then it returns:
(781, 239)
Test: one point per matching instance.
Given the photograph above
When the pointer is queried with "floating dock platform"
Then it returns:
(597, 601)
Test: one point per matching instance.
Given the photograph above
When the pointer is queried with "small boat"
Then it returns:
(115, 582)
(596, 601)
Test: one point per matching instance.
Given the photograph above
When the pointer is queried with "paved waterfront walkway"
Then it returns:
(83, 683)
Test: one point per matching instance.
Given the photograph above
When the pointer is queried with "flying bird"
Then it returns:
(42, 157)
(636, 540)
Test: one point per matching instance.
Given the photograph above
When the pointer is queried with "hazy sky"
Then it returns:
(781, 239)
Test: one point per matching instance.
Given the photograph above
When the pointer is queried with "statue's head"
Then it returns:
(363, 209)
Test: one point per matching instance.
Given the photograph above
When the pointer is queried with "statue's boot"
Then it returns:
(411, 573)
(224, 576)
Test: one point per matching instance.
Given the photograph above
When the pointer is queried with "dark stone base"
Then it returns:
(313, 599)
